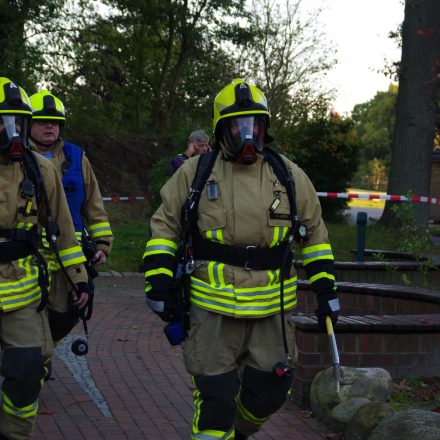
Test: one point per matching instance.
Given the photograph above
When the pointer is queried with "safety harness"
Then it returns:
(249, 257)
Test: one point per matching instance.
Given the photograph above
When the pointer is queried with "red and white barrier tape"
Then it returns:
(393, 198)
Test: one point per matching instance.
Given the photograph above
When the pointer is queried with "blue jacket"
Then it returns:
(73, 182)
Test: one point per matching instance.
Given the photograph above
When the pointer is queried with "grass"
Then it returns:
(416, 393)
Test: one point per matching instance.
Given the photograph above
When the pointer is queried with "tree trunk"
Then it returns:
(416, 107)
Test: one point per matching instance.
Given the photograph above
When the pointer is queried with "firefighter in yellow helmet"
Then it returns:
(32, 197)
(240, 348)
(89, 217)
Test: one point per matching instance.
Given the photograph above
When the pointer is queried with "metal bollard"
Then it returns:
(361, 228)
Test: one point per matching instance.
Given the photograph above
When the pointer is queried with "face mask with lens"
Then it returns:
(244, 137)
(13, 132)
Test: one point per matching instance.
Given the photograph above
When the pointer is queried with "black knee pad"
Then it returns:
(61, 324)
(263, 393)
(22, 368)
(218, 394)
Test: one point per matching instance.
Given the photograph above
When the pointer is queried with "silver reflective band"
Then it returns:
(334, 305)
(156, 306)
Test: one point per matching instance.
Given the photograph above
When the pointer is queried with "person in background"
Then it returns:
(32, 198)
(198, 143)
(85, 204)
(241, 283)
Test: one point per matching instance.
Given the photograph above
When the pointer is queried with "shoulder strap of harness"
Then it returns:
(299, 230)
(203, 171)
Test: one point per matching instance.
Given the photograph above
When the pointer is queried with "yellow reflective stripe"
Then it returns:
(21, 300)
(247, 415)
(29, 280)
(320, 275)
(24, 225)
(71, 256)
(211, 434)
(317, 252)
(197, 404)
(23, 412)
(208, 434)
(100, 230)
(274, 276)
(215, 235)
(257, 301)
(148, 286)
(160, 246)
(245, 292)
(78, 235)
(160, 271)
(215, 274)
(279, 233)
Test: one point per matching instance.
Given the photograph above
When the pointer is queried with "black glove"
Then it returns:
(165, 304)
(328, 305)
(74, 311)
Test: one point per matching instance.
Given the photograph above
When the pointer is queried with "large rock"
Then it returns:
(365, 420)
(374, 384)
(341, 414)
(410, 424)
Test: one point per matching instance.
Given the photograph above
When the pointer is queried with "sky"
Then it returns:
(359, 30)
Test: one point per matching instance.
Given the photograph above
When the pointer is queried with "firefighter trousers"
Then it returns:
(232, 360)
(25, 339)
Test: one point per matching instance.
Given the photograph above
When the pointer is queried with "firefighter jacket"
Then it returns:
(19, 279)
(237, 213)
(82, 192)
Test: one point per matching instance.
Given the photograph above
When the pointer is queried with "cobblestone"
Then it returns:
(132, 384)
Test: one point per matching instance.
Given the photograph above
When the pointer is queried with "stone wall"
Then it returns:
(391, 327)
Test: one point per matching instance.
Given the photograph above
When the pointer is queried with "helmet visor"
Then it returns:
(245, 129)
(12, 126)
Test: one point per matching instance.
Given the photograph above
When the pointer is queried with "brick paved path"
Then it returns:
(137, 387)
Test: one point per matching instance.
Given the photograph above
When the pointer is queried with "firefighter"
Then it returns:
(84, 199)
(32, 197)
(243, 288)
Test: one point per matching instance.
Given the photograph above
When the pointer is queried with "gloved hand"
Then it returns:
(328, 305)
(79, 300)
(164, 304)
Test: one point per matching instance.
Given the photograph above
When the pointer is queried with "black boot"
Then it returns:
(239, 436)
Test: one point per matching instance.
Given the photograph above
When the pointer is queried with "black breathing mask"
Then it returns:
(244, 138)
(13, 135)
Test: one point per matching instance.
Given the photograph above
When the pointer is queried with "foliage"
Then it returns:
(288, 57)
(326, 148)
(414, 239)
(159, 174)
(22, 24)
(374, 123)
(154, 65)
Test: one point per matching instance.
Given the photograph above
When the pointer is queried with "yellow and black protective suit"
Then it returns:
(24, 333)
(93, 214)
(235, 335)
(25, 208)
